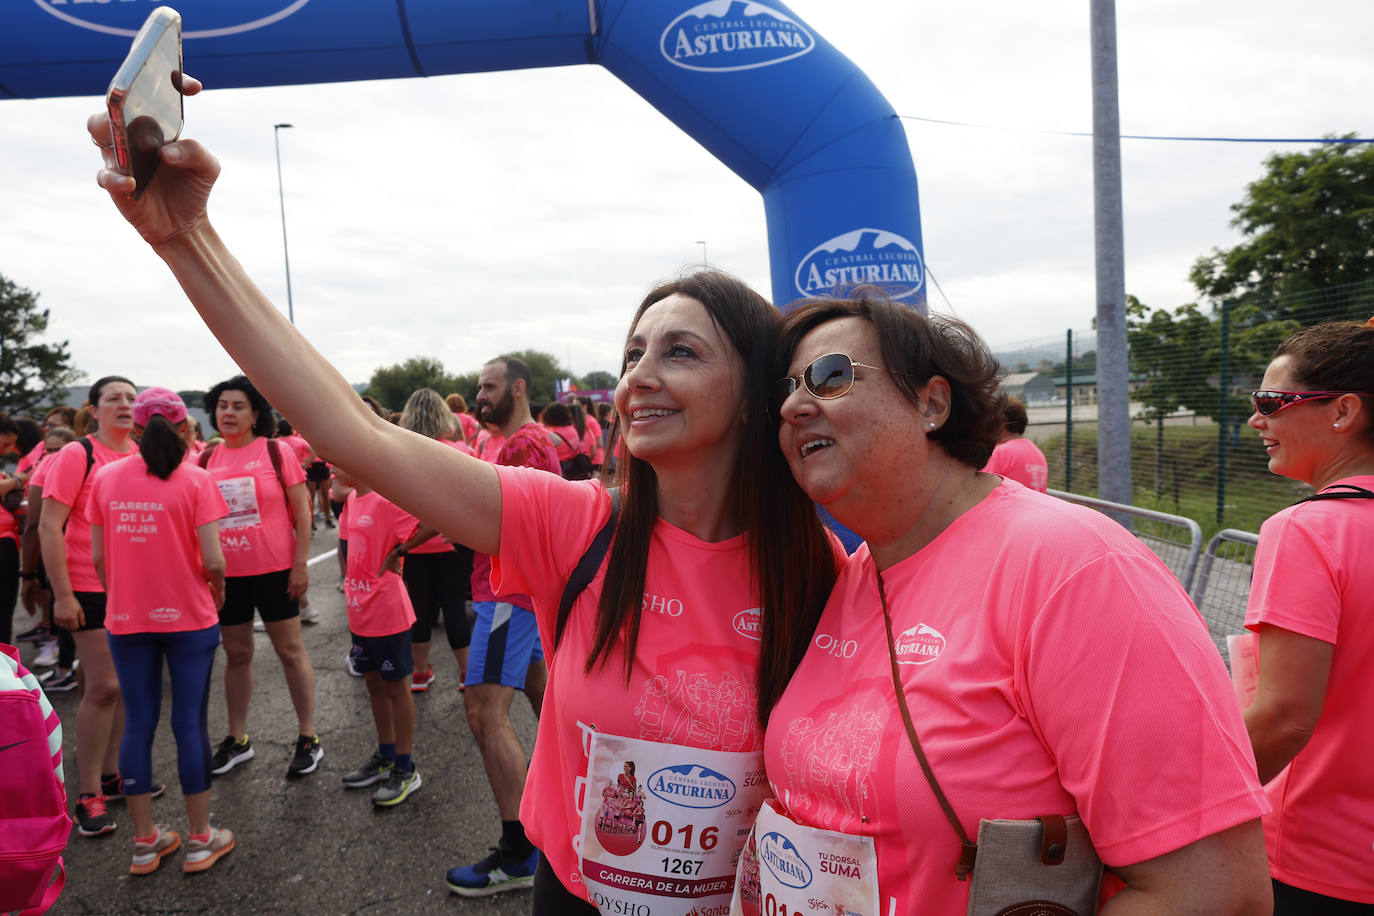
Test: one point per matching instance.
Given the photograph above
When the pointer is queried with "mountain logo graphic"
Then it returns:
(216, 19)
(726, 35)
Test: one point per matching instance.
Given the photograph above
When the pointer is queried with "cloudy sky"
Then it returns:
(461, 216)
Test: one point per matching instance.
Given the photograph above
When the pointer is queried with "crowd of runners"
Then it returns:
(989, 697)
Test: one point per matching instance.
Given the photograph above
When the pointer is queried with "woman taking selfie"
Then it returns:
(1051, 664)
(1310, 604)
(164, 573)
(666, 644)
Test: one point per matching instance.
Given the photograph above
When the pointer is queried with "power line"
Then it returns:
(1081, 133)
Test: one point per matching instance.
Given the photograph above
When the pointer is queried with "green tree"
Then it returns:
(544, 369)
(32, 374)
(466, 385)
(393, 385)
(1307, 254)
(598, 379)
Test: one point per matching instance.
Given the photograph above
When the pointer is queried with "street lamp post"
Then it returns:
(704, 262)
(281, 197)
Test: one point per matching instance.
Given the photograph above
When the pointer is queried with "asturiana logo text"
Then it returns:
(726, 35)
(863, 256)
(783, 860)
(691, 785)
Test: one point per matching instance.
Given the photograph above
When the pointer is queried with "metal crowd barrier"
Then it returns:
(1175, 539)
(1221, 586)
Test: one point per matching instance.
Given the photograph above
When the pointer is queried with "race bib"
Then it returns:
(788, 869)
(241, 496)
(662, 825)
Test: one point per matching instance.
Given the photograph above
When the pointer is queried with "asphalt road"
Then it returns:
(308, 845)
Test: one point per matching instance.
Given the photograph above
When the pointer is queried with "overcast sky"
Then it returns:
(462, 216)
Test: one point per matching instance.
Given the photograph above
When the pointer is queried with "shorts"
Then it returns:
(389, 656)
(266, 592)
(336, 506)
(93, 606)
(438, 582)
(317, 472)
(505, 642)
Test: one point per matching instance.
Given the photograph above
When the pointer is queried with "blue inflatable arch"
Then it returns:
(748, 79)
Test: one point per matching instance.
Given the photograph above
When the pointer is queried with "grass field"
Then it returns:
(1181, 476)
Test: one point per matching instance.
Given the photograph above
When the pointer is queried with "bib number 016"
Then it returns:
(706, 840)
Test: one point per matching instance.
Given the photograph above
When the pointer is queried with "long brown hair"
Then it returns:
(793, 562)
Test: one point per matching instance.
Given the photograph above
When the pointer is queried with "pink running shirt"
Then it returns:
(468, 424)
(30, 460)
(1022, 461)
(9, 525)
(376, 606)
(528, 447)
(695, 668)
(1313, 576)
(65, 480)
(257, 535)
(299, 447)
(152, 552)
(1052, 665)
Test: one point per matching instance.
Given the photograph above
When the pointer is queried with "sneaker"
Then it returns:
(200, 856)
(328, 522)
(91, 817)
(419, 682)
(498, 872)
(148, 856)
(38, 634)
(375, 770)
(230, 754)
(398, 787)
(308, 613)
(307, 758)
(113, 790)
(47, 655)
(52, 682)
(259, 626)
(352, 668)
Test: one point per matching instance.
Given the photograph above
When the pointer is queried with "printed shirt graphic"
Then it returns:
(257, 535)
(693, 678)
(1063, 639)
(63, 481)
(152, 553)
(376, 606)
(528, 447)
(1022, 461)
(1313, 576)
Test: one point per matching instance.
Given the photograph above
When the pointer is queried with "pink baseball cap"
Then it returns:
(164, 401)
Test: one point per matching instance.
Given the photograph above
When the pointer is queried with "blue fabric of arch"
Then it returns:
(748, 79)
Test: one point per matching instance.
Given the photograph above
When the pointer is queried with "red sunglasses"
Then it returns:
(1270, 401)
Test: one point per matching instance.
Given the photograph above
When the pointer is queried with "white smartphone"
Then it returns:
(144, 98)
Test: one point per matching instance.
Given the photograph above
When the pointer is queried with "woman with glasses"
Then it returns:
(689, 620)
(1311, 606)
(1049, 662)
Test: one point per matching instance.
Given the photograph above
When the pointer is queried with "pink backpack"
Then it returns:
(34, 826)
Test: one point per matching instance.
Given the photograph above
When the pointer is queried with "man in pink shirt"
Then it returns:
(505, 655)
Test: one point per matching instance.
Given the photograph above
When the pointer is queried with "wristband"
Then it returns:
(28, 575)
(399, 550)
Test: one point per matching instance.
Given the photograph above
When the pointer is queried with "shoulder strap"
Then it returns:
(968, 849)
(90, 458)
(1351, 492)
(586, 568)
(274, 453)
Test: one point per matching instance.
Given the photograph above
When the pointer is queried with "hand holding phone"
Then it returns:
(144, 98)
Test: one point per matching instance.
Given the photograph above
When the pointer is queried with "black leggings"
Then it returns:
(438, 581)
(1294, 901)
(551, 898)
(9, 586)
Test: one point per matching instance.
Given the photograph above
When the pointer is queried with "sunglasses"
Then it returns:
(1270, 401)
(827, 377)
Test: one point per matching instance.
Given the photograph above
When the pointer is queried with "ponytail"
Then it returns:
(161, 446)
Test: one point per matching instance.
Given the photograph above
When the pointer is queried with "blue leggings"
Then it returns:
(138, 658)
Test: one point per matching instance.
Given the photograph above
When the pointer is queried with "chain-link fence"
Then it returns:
(1191, 372)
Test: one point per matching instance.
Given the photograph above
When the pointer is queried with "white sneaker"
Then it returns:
(47, 656)
(308, 613)
(348, 663)
(259, 626)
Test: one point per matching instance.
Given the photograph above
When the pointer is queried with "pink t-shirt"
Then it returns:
(257, 535)
(1052, 665)
(1314, 576)
(299, 447)
(30, 460)
(467, 423)
(1022, 461)
(594, 431)
(528, 447)
(9, 526)
(695, 667)
(570, 444)
(153, 565)
(376, 607)
(66, 481)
